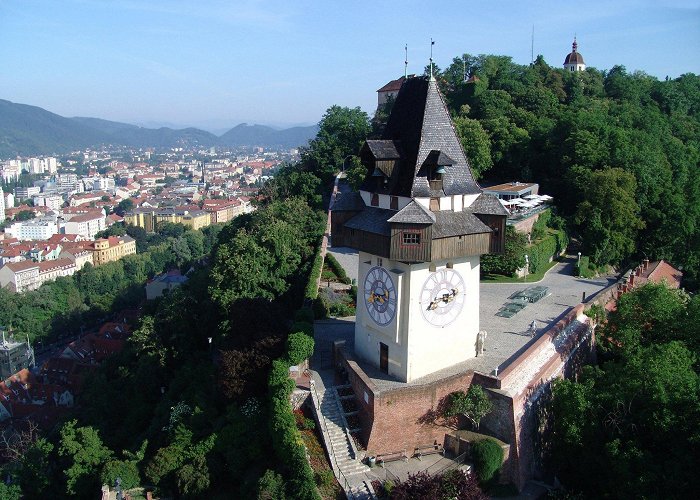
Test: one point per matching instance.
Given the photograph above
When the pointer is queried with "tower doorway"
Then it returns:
(384, 358)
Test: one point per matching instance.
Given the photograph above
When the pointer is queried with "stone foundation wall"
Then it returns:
(407, 418)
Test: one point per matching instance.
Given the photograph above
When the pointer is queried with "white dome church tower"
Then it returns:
(574, 60)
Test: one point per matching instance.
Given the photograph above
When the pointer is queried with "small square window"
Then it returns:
(394, 203)
(380, 261)
(375, 200)
(411, 238)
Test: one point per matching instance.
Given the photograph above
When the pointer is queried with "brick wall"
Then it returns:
(406, 418)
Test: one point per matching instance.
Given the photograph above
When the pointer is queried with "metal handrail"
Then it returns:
(452, 462)
(322, 420)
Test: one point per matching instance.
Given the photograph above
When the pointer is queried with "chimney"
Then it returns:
(632, 278)
(645, 262)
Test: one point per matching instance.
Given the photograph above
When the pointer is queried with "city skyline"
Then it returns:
(212, 65)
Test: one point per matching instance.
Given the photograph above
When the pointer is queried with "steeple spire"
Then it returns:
(574, 45)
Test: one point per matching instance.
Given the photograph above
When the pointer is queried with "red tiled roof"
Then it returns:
(62, 238)
(661, 271)
(21, 266)
(393, 85)
(95, 214)
(49, 265)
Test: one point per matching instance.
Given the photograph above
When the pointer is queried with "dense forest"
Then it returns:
(629, 427)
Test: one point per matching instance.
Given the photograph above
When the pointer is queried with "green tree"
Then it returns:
(634, 420)
(124, 206)
(83, 454)
(473, 404)
(476, 144)
(36, 472)
(341, 133)
(608, 215)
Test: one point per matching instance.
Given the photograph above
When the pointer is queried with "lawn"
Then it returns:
(530, 278)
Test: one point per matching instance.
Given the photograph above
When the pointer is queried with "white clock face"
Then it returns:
(380, 296)
(442, 297)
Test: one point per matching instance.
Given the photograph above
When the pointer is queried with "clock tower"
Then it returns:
(420, 223)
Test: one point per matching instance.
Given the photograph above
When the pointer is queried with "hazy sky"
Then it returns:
(214, 64)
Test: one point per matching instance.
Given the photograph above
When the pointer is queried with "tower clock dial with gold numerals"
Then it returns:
(380, 296)
(442, 297)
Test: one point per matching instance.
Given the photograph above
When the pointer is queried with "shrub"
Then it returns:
(324, 477)
(488, 457)
(584, 268)
(271, 486)
(286, 440)
(320, 308)
(335, 266)
(299, 347)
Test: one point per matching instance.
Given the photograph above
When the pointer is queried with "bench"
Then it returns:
(392, 457)
(430, 449)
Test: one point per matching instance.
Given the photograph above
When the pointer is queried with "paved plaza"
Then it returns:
(506, 337)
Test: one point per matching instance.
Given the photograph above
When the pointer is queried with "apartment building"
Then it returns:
(27, 275)
(113, 248)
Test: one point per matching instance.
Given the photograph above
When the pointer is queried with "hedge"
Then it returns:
(286, 439)
(543, 250)
(311, 291)
(337, 269)
(583, 267)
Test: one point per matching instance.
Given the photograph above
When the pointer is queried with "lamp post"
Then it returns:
(527, 266)
(579, 264)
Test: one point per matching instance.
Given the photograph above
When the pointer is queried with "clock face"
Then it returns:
(442, 297)
(380, 296)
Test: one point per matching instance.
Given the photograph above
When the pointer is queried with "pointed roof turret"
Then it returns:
(420, 129)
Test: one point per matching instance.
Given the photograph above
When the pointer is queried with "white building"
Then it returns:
(2, 206)
(86, 225)
(51, 165)
(35, 166)
(27, 275)
(25, 193)
(99, 184)
(34, 229)
(54, 202)
(9, 200)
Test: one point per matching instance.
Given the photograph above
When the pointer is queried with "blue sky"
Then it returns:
(214, 64)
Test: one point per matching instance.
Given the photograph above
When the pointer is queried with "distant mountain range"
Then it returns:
(30, 130)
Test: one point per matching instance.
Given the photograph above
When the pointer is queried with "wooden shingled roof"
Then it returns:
(420, 126)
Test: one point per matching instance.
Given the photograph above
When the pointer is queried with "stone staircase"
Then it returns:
(351, 473)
